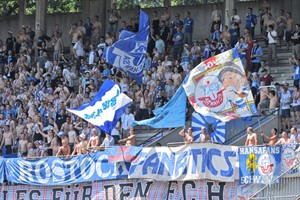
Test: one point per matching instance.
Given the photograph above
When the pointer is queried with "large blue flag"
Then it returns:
(106, 108)
(172, 114)
(214, 127)
(128, 53)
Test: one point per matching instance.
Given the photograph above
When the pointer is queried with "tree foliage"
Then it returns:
(54, 6)
(193, 2)
(125, 4)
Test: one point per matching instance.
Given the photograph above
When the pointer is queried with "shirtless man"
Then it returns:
(251, 137)
(74, 33)
(284, 140)
(272, 139)
(23, 143)
(29, 125)
(94, 140)
(130, 141)
(20, 127)
(290, 25)
(8, 140)
(187, 136)
(204, 137)
(65, 127)
(177, 77)
(64, 149)
(82, 147)
(97, 26)
(58, 45)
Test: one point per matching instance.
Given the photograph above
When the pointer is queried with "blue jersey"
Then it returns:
(251, 20)
(188, 25)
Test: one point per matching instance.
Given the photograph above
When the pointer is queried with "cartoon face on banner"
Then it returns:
(220, 85)
(266, 164)
(288, 158)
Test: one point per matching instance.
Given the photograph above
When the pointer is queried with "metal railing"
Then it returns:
(260, 120)
(282, 187)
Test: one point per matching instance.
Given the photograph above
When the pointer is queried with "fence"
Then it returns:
(281, 188)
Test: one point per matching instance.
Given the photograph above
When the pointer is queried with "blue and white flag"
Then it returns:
(128, 53)
(106, 108)
(214, 127)
(172, 114)
(219, 86)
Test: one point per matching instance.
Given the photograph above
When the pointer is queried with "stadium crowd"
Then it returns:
(35, 92)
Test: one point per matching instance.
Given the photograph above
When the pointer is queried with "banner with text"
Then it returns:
(131, 189)
(113, 163)
(189, 162)
(259, 165)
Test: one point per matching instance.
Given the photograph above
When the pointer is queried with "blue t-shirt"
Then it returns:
(297, 72)
(179, 42)
(257, 51)
(251, 20)
(216, 35)
(188, 25)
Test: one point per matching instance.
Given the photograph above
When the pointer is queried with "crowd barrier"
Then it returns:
(255, 164)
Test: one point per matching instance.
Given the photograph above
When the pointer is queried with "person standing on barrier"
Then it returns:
(130, 141)
(284, 140)
(204, 137)
(295, 137)
(64, 150)
(251, 137)
(273, 139)
(187, 136)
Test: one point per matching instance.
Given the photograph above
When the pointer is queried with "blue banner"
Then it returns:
(189, 162)
(171, 115)
(128, 53)
(259, 165)
(106, 108)
(113, 163)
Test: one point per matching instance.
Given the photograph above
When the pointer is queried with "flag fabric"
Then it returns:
(128, 53)
(171, 115)
(214, 127)
(219, 86)
(106, 108)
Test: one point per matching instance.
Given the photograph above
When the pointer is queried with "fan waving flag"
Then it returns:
(128, 53)
(106, 108)
(171, 115)
(214, 127)
(219, 86)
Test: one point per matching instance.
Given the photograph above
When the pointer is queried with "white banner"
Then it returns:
(131, 189)
(190, 162)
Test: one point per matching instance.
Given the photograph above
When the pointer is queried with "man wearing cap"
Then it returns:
(10, 42)
(267, 78)
(40, 150)
(82, 145)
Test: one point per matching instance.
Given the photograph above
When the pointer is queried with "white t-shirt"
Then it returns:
(79, 49)
(271, 39)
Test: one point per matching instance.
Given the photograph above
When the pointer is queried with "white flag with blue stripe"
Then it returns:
(106, 108)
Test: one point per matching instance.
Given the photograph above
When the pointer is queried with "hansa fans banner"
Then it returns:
(219, 86)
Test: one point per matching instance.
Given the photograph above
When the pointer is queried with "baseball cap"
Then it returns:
(82, 135)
